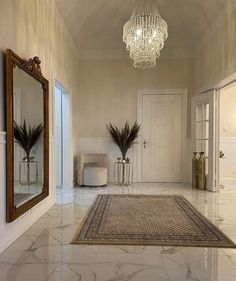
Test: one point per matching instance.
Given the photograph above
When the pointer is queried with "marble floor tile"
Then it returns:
(26, 272)
(128, 272)
(45, 253)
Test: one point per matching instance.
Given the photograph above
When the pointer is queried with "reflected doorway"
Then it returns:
(63, 138)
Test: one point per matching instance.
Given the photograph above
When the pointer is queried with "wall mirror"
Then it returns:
(27, 134)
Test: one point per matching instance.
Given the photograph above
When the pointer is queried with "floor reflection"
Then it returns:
(25, 192)
(44, 252)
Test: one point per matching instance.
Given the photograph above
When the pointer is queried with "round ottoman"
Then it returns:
(95, 176)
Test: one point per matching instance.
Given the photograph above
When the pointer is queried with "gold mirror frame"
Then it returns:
(32, 68)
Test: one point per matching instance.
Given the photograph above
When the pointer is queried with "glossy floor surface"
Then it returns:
(44, 252)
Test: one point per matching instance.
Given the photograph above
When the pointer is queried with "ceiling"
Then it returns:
(97, 24)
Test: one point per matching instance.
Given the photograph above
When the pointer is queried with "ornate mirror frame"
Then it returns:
(32, 68)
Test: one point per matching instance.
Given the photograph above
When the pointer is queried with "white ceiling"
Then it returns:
(97, 24)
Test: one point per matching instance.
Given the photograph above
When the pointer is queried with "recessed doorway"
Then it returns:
(162, 142)
(227, 135)
(63, 138)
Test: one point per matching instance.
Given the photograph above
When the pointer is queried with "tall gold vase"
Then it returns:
(195, 170)
(202, 171)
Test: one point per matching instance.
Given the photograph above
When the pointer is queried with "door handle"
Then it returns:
(144, 143)
(222, 155)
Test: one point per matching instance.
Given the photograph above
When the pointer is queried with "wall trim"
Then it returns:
(228, 140)
(3, 136)
(93, 140)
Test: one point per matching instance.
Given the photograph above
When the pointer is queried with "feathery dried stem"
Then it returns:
(125, 137)
(27, 136)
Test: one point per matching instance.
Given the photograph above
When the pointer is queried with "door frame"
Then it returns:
(138, 156)
(211, 98)
(217, 86)
(67, 182)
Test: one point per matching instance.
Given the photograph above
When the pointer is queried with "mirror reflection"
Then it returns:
(28, 137)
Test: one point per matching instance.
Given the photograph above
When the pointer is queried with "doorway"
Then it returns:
(227, 135)
(163, 136)
(63, 138)
(204, 128)
(214, 132)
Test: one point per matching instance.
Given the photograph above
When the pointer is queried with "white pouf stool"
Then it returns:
(95, 176)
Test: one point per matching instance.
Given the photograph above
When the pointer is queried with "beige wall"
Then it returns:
(228, 112)
(215, 53)
(29, 28)
(107, 90)
(30, 105)
(32, 27)
(102, 90)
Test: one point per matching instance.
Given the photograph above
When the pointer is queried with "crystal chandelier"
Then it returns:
(145, 34)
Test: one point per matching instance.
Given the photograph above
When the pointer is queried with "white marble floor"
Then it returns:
(44, 252)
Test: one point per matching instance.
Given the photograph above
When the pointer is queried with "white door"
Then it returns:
(162, 138)
(58, 134)
(204, 121)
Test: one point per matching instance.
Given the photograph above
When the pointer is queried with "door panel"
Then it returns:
(162, 134)
(203, 133)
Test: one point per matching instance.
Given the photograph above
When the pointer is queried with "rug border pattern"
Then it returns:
(223, 241)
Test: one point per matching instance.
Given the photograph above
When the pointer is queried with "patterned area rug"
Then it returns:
(148, 220)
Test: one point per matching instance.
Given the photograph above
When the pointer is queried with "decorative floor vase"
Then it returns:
(123, 173)
(28, 171)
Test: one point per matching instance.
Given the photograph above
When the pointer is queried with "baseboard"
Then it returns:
(228, 180)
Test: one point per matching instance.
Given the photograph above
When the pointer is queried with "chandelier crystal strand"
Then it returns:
(145, 34)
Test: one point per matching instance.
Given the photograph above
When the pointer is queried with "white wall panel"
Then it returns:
(102, 145)
(105, 145)
(228, 164)
(9, 232)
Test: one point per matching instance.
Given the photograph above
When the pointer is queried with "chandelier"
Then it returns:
(144, 34)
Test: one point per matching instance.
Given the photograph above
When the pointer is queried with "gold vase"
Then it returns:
(201, 171)
(195, 170)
